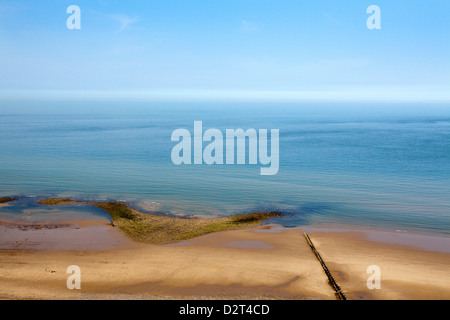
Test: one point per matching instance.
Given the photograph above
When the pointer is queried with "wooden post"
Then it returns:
(337, 290)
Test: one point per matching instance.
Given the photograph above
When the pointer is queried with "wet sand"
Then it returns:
(407, 271)
(68, 236)
(266, 262)
(200, 268)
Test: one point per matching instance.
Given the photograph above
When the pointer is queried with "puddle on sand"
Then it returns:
(60, 238)
(271, 228)
(27, 210)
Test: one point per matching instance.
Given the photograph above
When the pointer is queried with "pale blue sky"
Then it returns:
(266, 49)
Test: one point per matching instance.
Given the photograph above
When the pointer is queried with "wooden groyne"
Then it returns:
(337, 290)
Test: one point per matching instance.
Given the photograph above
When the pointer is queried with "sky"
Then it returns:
(218, 50)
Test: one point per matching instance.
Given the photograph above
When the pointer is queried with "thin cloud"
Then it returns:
(125, 21)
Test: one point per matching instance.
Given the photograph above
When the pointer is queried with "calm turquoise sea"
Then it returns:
(385, 165)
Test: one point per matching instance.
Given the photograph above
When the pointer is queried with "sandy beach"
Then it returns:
(265, 262)
(407, 271)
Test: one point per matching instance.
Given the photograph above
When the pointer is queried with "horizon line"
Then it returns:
(374, 94)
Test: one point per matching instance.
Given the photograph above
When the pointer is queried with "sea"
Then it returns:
(377, 165)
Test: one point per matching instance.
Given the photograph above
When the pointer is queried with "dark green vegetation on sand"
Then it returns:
(160, 229)
(7, 199)
(57, 201)
(117, 210)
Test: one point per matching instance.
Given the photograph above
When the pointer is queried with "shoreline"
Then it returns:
(157, 228)
(407, 239)
(222, 266)
(254, 262)
(134, 206)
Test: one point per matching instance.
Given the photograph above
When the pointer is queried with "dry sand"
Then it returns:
(407, 272)
(266, 262)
